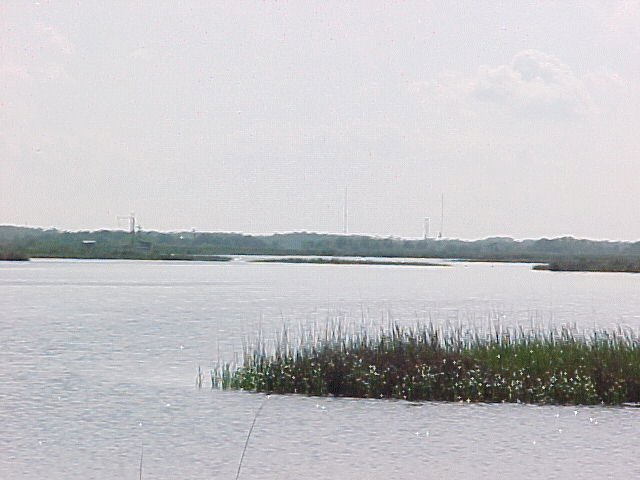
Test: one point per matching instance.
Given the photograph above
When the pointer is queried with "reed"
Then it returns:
(428, 363)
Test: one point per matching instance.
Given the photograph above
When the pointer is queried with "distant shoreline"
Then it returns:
(606, 265)
(13, 257)
(557, 254)
(163, 258)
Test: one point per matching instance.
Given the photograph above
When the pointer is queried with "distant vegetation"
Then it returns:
(557, 367)
(34, 242)
(346, 261)
(10, 254)
(200, 258)
(607, 264)
(13, 257)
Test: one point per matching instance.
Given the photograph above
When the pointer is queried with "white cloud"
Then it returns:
(534, 84)
(604, 78)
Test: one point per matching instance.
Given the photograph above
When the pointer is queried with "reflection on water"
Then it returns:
(99, 359)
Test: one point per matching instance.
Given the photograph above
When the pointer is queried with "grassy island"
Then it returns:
(609, 264)
(429, 364)
(348, 261)
(199, 258)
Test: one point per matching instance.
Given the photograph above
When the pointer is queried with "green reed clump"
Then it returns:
(435, 364)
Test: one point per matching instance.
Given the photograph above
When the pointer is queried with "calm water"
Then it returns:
(98, 359)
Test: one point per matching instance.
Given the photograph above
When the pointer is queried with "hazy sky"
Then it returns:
(254, 116)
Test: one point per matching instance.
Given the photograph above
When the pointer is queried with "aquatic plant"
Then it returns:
(248, 437)
(559, 366)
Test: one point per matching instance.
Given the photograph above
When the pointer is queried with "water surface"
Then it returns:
(98, 359)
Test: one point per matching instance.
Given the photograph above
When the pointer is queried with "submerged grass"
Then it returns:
(559, 366)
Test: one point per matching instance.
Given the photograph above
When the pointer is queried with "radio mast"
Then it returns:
(344, 219)
(131, 220)
(441, 215)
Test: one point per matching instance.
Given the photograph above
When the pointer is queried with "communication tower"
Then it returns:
(441, 215)
(344, 213)
(131, 220)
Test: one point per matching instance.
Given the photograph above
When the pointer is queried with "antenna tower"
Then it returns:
(441, 215)
(344, 219)
(131, 219)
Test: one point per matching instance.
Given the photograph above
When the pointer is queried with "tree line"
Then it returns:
(24, 242)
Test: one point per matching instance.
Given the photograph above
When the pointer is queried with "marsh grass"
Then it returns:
(598, 264)
(11, 255)
(348, 261)
(557, 366)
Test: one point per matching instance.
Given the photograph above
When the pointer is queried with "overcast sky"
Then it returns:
(255, 116)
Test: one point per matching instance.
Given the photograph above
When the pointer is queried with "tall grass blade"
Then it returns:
(246, 442)
(141, 455)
